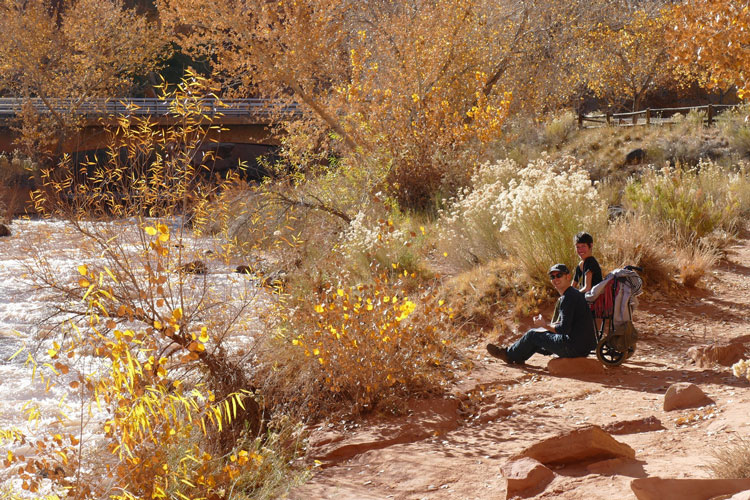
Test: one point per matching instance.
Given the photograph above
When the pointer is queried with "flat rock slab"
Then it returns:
(656, 488)
(684, 395)
(587, 443)
(743, 495)
(706, 356)
(648, 424)
(526, 477)
(569, 367)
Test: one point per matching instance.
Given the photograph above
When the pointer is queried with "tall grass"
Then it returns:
(694, 201)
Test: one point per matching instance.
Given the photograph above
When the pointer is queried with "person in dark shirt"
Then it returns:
(569, 335)
(588, 273)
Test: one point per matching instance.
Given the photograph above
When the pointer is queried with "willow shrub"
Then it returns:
(694, 202)
(529, 213)
(360, 342)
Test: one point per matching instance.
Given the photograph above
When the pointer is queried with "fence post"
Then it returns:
(580, 119)
(609, 118)
(710, 114)
(648, 116)
(635, 119)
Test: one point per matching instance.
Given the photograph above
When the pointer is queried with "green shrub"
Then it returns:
(693, 201)
(560, 129)
(733, 125)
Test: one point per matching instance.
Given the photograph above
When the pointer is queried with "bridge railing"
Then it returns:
(253, 107)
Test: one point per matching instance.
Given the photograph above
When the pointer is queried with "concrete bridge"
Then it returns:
(245, 121)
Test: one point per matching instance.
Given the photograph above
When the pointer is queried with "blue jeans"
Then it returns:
(539, 340)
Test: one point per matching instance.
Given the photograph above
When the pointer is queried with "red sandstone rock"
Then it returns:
(706, 356)
(568, 367)
(656, 488)
(606, 467)
(587, 443)
(647, 424)
(526, 477)
(684, 395)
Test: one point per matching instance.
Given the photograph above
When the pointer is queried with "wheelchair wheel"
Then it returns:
(608, 354)
(630, 352)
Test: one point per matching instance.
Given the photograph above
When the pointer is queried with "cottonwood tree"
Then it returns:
(64, 52)
(625, 59)
(711, 40)
(405, 83)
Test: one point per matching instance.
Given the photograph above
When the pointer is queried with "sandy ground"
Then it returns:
(433, 454)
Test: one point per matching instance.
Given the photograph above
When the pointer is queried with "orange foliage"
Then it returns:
(711, 38)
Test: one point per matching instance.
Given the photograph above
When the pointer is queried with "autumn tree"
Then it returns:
(401, 83)
(67, 51)
(627, 57)
(711, 40)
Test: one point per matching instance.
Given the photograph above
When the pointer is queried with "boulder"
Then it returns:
(656, 488)
(526, 477)
(4, 230)
(706, 356)
(587, 443)
(684, 395)
(568, 367)
(647, 424)
(635, 157)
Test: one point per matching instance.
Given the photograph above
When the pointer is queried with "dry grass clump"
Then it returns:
(666, 261)
(484, 292)
(732, 461)
(632, 240)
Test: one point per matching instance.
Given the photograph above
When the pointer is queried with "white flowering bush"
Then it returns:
(742, 369)
(468, 228)
(529, 213)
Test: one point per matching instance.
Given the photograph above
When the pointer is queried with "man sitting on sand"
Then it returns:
(570, 335)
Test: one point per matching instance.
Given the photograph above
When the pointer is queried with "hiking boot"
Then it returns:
(499, 352)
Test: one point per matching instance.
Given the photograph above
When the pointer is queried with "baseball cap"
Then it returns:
(559, 268)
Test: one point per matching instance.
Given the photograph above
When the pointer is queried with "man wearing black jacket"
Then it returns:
(570, 335)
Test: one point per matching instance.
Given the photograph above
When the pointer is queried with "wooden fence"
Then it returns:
(657, 116)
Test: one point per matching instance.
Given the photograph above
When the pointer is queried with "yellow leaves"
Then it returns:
(82, 269)
(203, 337)
(53, 352)
(150, 230)
(196, 346)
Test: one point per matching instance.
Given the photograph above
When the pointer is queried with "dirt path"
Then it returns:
(437, 454)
